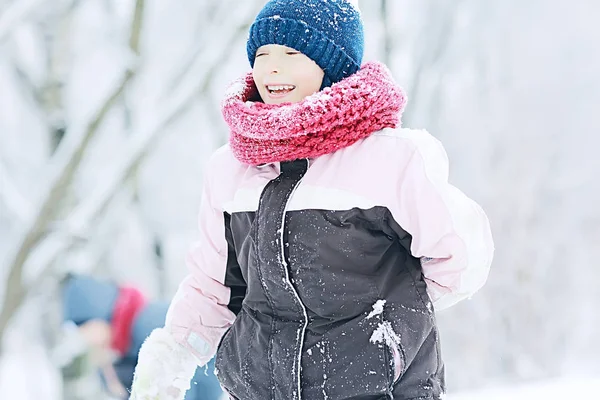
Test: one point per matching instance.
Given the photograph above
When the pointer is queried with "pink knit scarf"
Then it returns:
(322, 123)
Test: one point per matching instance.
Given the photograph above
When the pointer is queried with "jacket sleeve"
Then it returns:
(450, 232)
(199, 314)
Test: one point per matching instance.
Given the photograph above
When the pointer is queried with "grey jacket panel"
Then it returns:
(325, 298)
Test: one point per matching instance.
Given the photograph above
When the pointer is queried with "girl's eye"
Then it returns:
(259, 55)
(291, 53)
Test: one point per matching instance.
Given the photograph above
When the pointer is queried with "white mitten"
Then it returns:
(164, 369)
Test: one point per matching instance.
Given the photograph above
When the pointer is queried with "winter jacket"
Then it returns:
(318, 278)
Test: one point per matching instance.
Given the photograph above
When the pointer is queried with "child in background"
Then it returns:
(329, 235)
(113, 322)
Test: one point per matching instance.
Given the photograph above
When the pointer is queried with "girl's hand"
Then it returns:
(164, 369)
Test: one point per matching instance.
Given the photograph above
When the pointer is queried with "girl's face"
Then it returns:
(284, 75)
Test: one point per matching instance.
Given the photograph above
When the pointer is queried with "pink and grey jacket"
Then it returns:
(318, 278)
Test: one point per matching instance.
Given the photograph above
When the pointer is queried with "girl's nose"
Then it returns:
(274, 65)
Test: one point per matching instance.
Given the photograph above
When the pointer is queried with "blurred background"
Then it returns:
(109, 110)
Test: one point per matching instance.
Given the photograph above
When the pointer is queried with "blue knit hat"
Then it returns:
(330, 32)
(86, 298)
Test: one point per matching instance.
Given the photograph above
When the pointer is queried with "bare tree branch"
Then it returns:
(93, 206)
(15, 291)
(136, 28)
(134, 45)
(69, 159)
(97, 203)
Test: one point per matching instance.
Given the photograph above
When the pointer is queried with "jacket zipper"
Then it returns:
(301, 332)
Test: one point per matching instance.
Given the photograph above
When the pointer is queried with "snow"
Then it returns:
(22, 363)
(547, 390)
(384, 333)
(16, 13)
(26, 369)
(13, 199)
(29, 56)
(26, 374)
(377, 309)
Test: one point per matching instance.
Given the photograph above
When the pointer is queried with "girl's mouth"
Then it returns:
(277, 91)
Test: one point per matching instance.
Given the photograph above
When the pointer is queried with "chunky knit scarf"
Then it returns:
(322, 123)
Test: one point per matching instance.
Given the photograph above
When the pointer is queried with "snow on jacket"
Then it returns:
(315, 278)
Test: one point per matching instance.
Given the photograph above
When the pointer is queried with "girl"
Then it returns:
(328, 234)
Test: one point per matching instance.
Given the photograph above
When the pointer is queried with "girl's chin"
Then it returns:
(282, 101)
(289, 97)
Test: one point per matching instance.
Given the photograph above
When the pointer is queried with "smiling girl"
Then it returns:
(329, 235)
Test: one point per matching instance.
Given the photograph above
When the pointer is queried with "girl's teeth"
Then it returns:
(279, 88)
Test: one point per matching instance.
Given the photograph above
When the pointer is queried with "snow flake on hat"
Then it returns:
(354, 4)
